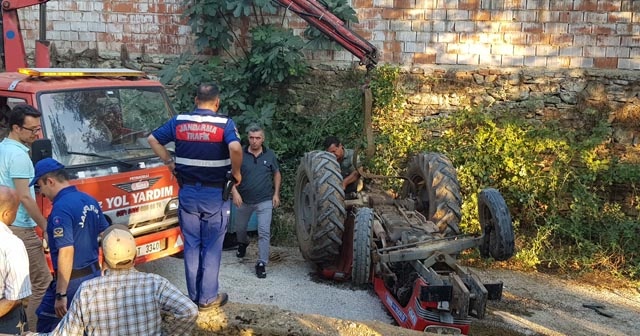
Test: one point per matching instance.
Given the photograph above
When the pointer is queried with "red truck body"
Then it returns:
(97, 122)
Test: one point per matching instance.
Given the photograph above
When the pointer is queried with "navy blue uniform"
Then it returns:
(202, 160)
(75, 220)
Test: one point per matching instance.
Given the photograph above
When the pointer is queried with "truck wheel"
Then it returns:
(319, 207)
(437, 190)
(362, 247)
(497, 229)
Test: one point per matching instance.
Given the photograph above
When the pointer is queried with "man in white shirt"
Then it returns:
(14, 268)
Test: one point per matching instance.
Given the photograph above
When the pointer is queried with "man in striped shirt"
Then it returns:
(14, 268)
(125, 301)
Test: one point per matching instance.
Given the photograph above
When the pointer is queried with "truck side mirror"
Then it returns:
(40, 149)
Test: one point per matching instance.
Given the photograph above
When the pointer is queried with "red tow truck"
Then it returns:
(95, 122)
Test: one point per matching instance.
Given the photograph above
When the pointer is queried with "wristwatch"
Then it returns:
(59, 296)
(168, 162)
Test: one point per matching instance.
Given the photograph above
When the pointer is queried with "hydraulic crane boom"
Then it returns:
(334, 28)
(14, 55)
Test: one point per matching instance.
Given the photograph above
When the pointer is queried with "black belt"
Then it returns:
(219, 184)
(83, 272)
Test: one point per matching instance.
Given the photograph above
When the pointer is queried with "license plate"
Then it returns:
(149, 248)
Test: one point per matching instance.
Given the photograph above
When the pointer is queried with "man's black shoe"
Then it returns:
(220, 301)
(242, 250)
(261, 271)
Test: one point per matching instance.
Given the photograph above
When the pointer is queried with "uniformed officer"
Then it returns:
(73, 227)
(207, 145)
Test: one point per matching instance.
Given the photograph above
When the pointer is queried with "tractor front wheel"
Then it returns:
(497, 229)
(362, 247)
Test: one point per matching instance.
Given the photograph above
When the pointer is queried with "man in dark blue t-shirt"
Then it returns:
(73, 227)
(259, 193)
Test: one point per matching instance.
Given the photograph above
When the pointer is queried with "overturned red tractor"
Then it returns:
(405, 243)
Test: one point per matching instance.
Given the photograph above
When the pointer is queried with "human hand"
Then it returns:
(276, 201)
(237, 199)
(60, 307)
(238, 177)
(45, 245)
(172, 167)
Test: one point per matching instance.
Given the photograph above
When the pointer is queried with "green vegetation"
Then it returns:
(560, 184)
(256, 85)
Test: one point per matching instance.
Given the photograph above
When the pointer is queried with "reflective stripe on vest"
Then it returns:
(202, 163)
(202, 118)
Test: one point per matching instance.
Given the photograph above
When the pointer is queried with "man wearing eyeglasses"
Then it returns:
(16, 172)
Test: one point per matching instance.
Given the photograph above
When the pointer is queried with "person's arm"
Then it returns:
(7, 305)
(161, 152)
(277, 180)
(24, 195)
(63, 275)
(184, 311)
(15, 275)
(237, 198)
(71, 323)
(350, 179)
(235, 152)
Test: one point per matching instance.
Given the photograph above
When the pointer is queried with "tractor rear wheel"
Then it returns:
(433, 181)
(495, 219)
(362, 247)
(319, 207)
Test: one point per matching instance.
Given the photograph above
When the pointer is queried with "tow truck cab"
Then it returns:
(96, 123)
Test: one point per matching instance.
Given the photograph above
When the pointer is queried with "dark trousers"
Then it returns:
(47, 319)
(14, 322)
(203, 220)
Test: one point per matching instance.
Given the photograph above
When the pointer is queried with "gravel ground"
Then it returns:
(292, 301)
(290, 284)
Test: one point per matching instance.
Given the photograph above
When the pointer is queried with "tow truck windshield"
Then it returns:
(110, 124)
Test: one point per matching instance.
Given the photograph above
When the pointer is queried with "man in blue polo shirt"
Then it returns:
(259, 193)
(73, 227)
(207, 145)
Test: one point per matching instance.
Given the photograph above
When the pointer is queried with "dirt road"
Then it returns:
(539, 304)
(533, 304)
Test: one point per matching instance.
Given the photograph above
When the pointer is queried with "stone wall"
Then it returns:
(577, 98)
(555, 34)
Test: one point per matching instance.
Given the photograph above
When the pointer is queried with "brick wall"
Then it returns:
(504, 33)
(155, 26)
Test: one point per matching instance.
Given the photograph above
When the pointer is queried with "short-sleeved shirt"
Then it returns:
(257, 176)
(14, 266)
(16, 163)
(202, 138)
(346, 166)
(75, 220)
(128, 302)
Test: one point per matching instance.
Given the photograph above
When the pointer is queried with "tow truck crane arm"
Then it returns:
(13, 52)
(309, 10)
(334, 28)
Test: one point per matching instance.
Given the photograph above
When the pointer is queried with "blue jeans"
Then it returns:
(263, 212)
(203, 220)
